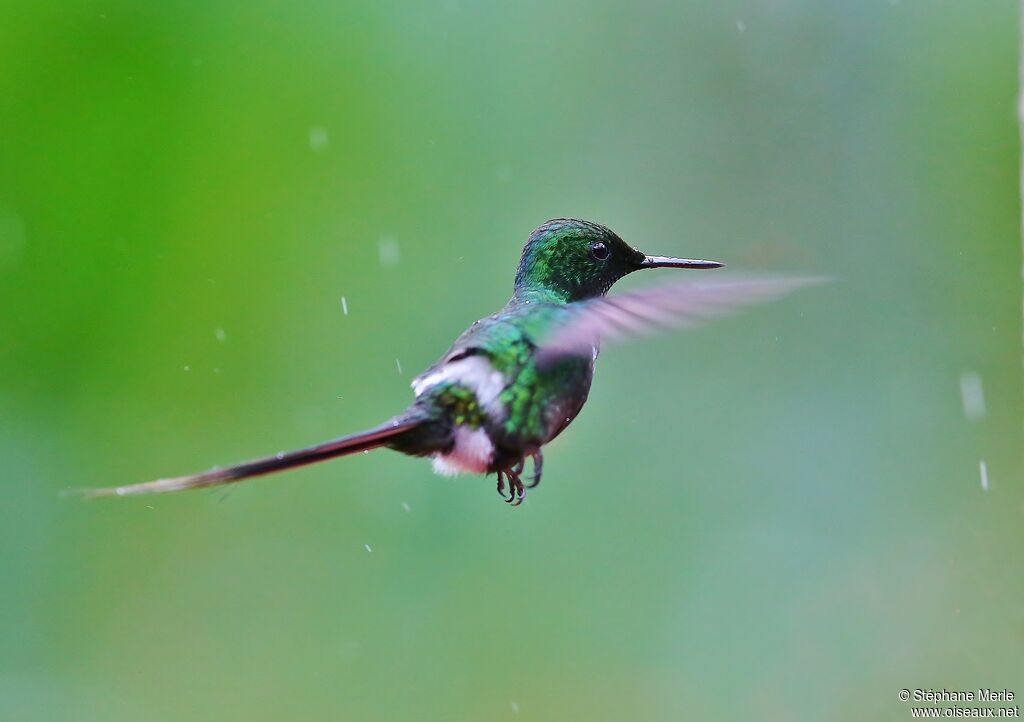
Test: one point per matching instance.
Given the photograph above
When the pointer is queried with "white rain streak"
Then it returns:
(219, 334)
(983, 470)
(741, 26)
(972, 394)
(318, 139)
(398, 365)
(406, 507)
(367, 547)
(388, 251)
(344, 305)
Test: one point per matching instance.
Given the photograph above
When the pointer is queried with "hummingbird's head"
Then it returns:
(572, 260)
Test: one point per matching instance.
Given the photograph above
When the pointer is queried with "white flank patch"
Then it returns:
(473, 372)
(471, 452)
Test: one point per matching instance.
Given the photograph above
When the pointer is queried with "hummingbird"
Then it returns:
(514, 381)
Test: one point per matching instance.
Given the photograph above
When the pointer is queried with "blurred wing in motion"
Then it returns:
(673, 305)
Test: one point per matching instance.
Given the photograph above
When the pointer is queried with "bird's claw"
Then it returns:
(513, 474)
(516, 489)
(517, 495)
(538, 468)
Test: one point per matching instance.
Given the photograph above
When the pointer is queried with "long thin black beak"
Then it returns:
(669, 262)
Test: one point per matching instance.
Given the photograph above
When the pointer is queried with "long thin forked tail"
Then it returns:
(363, 441)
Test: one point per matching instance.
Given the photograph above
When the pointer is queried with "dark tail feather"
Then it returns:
(363, 441)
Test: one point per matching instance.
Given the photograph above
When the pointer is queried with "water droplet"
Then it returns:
(318, 139)
(13, 237)
(279, 455)
(388, 251)
(972, 394)
(188, 368)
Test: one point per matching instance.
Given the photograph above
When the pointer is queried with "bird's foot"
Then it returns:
(538, 468)
(516, 490)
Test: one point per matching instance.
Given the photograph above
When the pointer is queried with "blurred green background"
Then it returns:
(779, 517)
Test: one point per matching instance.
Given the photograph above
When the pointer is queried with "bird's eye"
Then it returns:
(599, 251)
